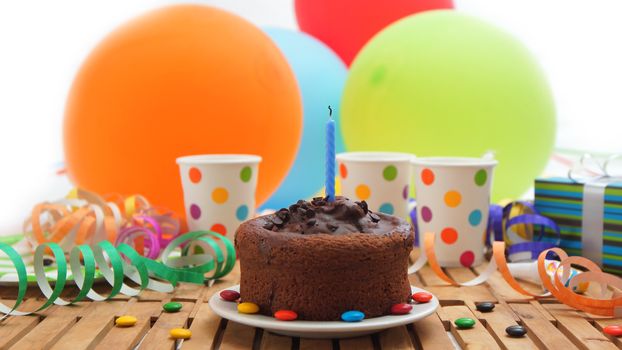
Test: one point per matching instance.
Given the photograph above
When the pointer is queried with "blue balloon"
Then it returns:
(321, 76)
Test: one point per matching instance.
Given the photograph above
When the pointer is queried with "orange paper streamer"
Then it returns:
(604, 306)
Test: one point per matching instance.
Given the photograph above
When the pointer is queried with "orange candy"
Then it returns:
(613, 330)
(285, 315)
(422, 297)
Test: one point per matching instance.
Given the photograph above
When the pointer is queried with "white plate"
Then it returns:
(321, 329)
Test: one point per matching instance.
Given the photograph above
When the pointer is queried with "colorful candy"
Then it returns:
(229, 295)
(248, 308)
(285, 315)
(516, 331)
(422, 297)
(485, 306)
(401, 309)
(352, 316)
(125, 321)
(172, 307)
(464, 322)
(613, 330)
(180, 333)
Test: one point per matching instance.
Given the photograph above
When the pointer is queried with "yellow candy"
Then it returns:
(248, 308)
(180, 333)
(125, 321)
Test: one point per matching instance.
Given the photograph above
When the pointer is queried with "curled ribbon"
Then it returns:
(84, 217)
(559, 284)
(217, 255)
(502, 220)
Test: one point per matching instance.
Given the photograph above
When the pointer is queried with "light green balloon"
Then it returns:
(443, 83)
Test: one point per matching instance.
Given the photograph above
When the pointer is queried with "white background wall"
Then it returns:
(42, 44)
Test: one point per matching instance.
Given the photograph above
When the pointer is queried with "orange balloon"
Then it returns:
(178, 81)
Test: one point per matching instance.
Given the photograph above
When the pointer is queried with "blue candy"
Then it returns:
(352, 316)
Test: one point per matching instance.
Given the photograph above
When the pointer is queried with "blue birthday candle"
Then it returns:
(330, 156)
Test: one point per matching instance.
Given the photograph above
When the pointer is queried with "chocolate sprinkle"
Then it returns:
(364, 206)
(283, 212)
(374, 217)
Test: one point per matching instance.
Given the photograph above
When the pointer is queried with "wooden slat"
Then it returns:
(601, 323)
(460, 274)
(15, 327)
(501, 288)
(158, 337)
(237, 337)
(204, 328)
(543, 333)
(315, 344)
(127, 338)
(415, 280)
(431, 333)
(443, 316)
(188, 292)
(472, 338)
(358, 343)
(543, 311)
(429, 277)
(449, 295)
(496, 322)
(578, 329)
(92, 327)
(396, 338)
(52, 327)
(271, 341)
(152, 295)
(550, 325)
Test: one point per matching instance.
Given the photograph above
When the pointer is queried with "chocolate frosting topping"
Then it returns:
(322, 216)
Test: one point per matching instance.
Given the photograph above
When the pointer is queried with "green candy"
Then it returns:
(464, 322)
(172, 307)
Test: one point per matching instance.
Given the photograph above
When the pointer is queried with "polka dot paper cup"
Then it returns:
(453, 196)
(379, 178)
(219, 190)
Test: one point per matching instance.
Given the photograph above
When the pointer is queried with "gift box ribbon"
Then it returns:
(595, 177)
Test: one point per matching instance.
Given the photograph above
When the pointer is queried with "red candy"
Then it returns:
(401, 309)
(422, 297)
(229, 295)
(285, 315)
(615, 330)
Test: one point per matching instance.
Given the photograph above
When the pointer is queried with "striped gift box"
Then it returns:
(561, 199)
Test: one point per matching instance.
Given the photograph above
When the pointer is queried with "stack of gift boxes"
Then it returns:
(574, 210)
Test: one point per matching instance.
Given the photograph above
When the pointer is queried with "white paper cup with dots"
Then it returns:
(379, 178)
(453, 198)
(219, 190)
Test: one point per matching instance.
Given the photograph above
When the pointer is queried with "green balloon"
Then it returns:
(443, 83)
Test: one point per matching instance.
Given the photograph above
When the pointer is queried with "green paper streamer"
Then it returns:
(116, 263)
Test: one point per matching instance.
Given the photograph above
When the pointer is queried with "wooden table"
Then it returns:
(89, 325)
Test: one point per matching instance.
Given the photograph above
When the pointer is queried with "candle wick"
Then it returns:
(330, 111)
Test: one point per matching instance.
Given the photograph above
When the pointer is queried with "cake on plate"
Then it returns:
(322, 258)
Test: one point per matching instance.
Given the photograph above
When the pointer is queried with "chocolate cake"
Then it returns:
(321, 258)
